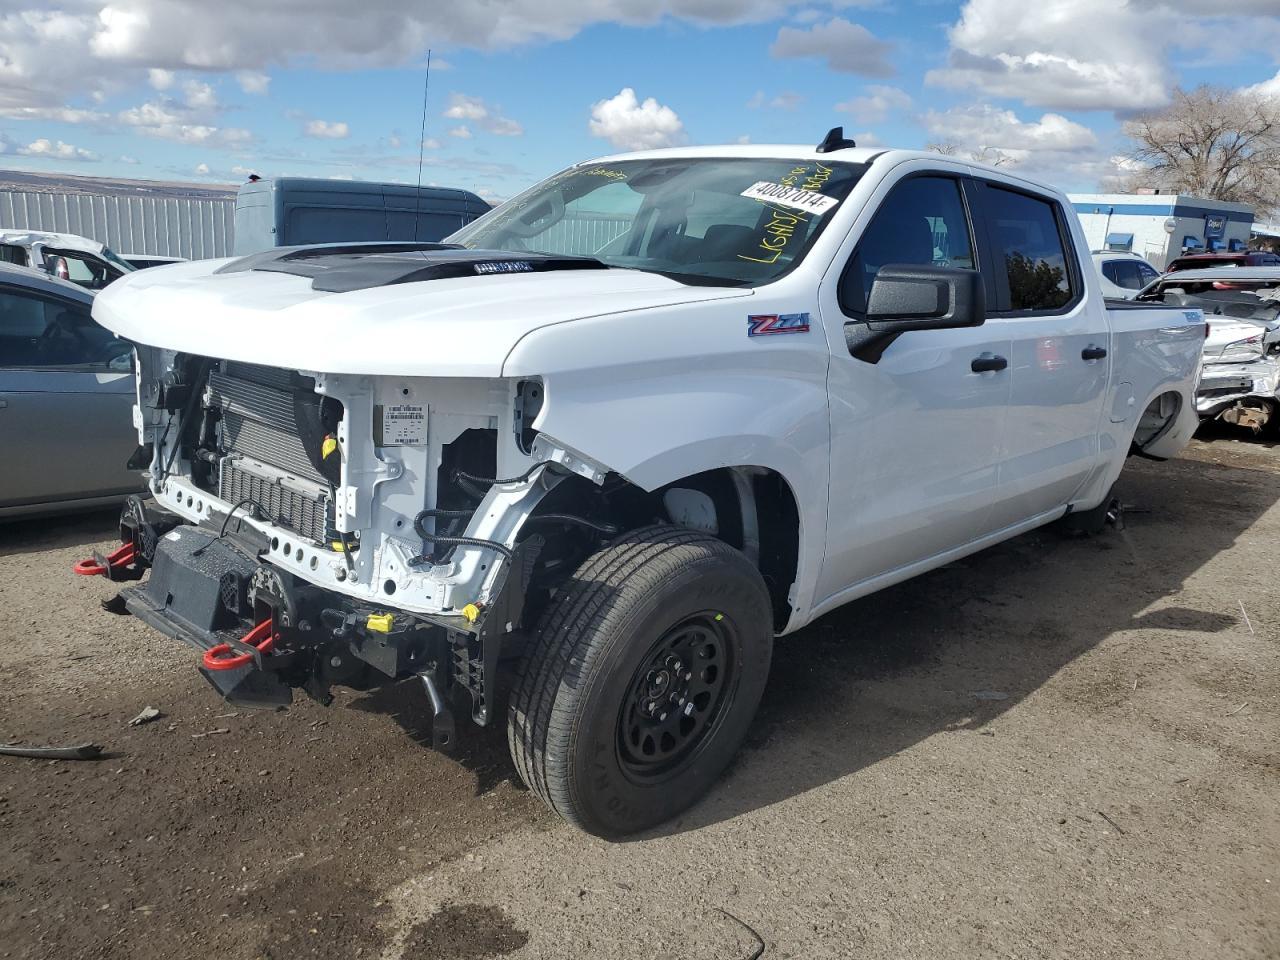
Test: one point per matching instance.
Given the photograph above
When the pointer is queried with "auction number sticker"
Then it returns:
(793, 197)
(404, 425)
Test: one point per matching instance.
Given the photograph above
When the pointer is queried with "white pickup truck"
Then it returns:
(618, 434)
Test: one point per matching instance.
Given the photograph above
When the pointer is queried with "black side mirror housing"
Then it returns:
(907, 297)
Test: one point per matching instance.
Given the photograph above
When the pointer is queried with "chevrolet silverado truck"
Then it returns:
(606, 443)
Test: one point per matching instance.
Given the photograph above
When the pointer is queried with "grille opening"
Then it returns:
(262, 435)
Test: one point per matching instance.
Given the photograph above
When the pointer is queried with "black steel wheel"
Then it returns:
(677, 695)
(642, 680)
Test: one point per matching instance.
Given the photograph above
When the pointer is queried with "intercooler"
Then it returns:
(267, 416)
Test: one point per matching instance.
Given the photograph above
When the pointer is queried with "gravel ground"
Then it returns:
(1051, 749)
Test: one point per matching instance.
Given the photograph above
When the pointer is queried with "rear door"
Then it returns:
(66, 399)
(916, 434)
(1060, 343)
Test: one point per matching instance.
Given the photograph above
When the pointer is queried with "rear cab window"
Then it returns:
(1034, 261)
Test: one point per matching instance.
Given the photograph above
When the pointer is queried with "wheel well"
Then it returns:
(1159, 415)
(751, 508)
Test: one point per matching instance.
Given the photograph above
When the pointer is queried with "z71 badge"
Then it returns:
(767, 324)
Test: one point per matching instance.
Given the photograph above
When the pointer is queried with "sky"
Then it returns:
(518, 89)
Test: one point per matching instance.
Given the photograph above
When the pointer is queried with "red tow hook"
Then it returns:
(116, 561)
(260, 638)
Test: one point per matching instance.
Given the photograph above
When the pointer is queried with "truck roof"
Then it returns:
(67, 241)
(793, 151)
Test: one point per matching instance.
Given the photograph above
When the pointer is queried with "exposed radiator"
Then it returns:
(265, 460)
(282, 505)
(260, 421)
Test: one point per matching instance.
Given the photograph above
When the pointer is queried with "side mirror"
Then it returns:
(907, 297)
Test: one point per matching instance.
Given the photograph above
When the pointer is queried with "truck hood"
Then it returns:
(462, 326)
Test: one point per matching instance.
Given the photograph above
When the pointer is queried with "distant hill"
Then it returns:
(29, 182)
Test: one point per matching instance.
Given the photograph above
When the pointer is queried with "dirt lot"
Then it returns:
(1053, 749)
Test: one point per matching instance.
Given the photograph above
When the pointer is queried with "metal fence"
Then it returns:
(582, 232)
(158, 226)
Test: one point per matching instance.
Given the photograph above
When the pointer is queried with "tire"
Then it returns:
(1091, 523)
(597, 725)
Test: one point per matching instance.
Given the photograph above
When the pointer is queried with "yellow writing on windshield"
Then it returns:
(777, 232)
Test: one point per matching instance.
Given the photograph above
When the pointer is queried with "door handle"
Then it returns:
(988, 362)
(1093, 352)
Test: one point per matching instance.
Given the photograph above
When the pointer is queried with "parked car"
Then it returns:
(1123, 274)
(1240, 380)
(143, 261)
(1245, 258)
(86, 263)
(66, 393)
(289, 211)
(615, 466)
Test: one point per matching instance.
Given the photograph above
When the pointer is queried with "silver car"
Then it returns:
(66, 399)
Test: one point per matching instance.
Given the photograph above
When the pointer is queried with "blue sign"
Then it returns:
(1215, 225)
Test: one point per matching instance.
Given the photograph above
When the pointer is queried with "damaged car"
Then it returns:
(608, 441)
(1240, 376)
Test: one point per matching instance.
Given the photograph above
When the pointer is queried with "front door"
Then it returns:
(916, 437)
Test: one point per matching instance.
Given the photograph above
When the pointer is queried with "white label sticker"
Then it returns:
(792, 197)
(404, 425)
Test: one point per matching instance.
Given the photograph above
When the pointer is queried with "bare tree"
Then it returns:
(991, 156)
(1210, 142)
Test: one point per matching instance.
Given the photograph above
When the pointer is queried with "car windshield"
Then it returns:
(736, 222)
(110, 256)
(1256, 301)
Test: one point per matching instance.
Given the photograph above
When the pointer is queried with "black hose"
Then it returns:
(203, 366)
(492, 482)
(445, 541)
(606, 528)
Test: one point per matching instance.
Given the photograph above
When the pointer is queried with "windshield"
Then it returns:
(738, 222)
(109, 255)
(1255, 301)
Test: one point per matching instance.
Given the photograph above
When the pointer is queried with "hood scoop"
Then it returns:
(341, 268)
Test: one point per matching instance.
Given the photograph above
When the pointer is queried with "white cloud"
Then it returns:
(846, 47)
(253, 81)
(474, 109)
(1065, 54)
(133, 161)
(54, 51)
(199, 95)
(165, 119)
(783, 101)
(462, 132)
(1268, 88)
(876, 105)
(160, 79)
(243, 171)
(987, 126)
(462, 107)
(326, 129)
(55, 150)
(631, 125)
(202, 169)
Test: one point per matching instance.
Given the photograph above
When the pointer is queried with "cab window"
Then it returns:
(1027, 237)
(922, 222)
(81, 269)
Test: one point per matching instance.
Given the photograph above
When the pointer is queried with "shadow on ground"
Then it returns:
(36, 534)
(958, 647)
